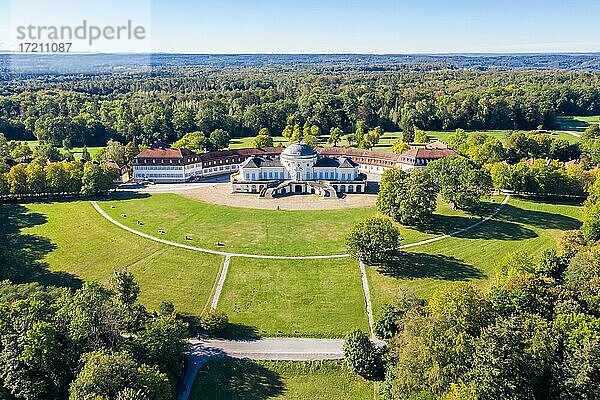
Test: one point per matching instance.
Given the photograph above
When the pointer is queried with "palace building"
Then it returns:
(274, 171)
(299, 169)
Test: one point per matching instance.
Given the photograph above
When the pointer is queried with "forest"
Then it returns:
(76, 110)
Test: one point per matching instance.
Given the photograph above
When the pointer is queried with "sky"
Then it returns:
(327, 26)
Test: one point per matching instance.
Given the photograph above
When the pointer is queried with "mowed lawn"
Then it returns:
(68, 242)
(523, 225)
(253, 231)
(309, 298)
(444, 136)
(229, 379)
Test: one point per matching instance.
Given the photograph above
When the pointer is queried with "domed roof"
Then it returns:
(299, 149)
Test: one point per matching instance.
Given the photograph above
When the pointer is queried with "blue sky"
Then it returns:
(375, 26)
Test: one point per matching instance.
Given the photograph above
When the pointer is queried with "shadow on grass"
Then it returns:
(572, 124)
(409, 265)
(228, 378)
(241, 332)
(492, 229)
(539, 219)
(122, 196)
(21, 254)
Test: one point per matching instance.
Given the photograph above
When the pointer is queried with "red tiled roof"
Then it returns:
(262, 151)
(165, 153)
(430, 154)
(342, 151)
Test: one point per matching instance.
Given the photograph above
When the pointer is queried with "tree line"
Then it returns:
(95, 342)
(57, 178)
(75, 111)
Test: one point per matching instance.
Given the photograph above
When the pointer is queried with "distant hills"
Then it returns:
(110, 63)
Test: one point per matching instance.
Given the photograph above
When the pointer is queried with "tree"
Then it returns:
(220, 139)
(263, 139)
(21, 151)
(311, 140)
(407, 198)
(17, 179)
(97, 179)
(335, 136)
(36, 178)
(194, 141)
(183, 121)
(458, 140)
(421, 136)
(389, 321)
(47, 152)
(215, 323)
(85, 154)
(362, 356)
(114, 151)
(460, 183)
(124, 284)
(4, 149)
(520, 372)
(359, 133)
(161, 343)
(591, 223)
(582, 277)
(591, 132)
(4, 186)
(373, 240)
(372, 137)
(400, 146)
(108, 375)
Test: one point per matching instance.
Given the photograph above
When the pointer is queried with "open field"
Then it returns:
(577, 123)
(274, 232)
(78, 151)
(522, 225)
(228, 378)
(67, 242)
(310, 298)
(499, 134)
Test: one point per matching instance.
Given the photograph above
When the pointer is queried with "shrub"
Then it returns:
(362, 356)
(215, 323)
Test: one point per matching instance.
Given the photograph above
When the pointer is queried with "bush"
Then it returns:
(362, 356)
(215, 323)
(591, 223)
(373, 240)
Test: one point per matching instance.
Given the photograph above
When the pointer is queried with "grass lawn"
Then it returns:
(498, 134)
(275, 232)
(227, 378)
(523, 225)
(78, 151)
(577, 123)
(67, 242)
(310, 298)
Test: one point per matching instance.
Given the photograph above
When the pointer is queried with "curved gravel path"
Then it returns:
(246, 255)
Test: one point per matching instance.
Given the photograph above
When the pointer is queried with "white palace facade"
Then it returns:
(271, 171)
